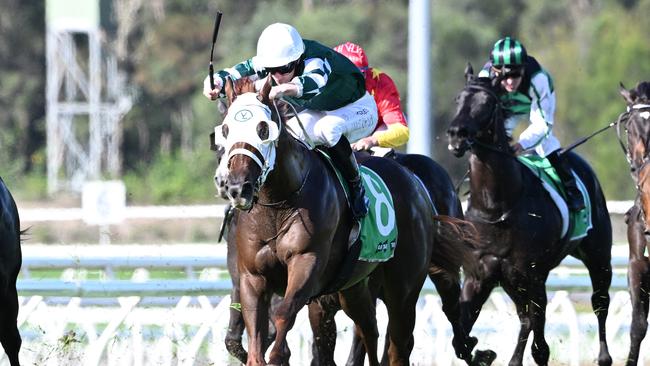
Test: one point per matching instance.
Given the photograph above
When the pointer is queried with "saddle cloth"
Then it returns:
(578, 222)
(378, 230)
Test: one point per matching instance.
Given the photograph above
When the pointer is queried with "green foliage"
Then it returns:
(172, 179)
(587, 46)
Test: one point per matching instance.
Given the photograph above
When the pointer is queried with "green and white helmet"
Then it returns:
(508, 52)
(278, 45)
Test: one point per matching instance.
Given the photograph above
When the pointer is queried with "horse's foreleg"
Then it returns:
(476, 291)
(637, 277)
(255, 310)
(235, 327)
(9, 335)
(598, 263)
(537, 313)
(301, 284)
(638, 284)
(359, 304)
(321, 319)
(449, 291)
(524, 304)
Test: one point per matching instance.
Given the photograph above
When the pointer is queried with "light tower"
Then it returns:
(86, 97)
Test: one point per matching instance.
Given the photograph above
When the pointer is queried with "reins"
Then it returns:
(624, 118)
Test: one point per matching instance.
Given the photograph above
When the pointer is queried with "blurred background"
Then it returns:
(157, 52)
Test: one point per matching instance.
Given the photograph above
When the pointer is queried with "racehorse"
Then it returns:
(293, 230)
(519, 225)
(636, 122)
(10, 262)
(444, 271)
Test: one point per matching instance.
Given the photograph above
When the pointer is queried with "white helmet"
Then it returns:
(278, 45)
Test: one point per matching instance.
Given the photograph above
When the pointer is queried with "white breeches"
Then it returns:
(354, 121)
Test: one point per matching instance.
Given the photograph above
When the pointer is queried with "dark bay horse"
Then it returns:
(444, 270)
(10, 262)
(293, 231)
(636, 122)
(519, 224)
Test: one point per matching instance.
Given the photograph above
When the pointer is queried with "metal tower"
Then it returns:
(86, 98)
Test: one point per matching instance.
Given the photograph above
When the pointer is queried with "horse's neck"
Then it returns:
(292, 165)
(495, 182)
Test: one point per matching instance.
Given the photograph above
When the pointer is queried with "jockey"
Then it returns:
(327, 88)
(392, 130)
(530, 95)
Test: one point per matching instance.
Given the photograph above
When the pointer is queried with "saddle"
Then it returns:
(575, 225)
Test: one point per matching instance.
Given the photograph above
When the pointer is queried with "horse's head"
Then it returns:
(637, 124)
(248, 137)
(478, 117)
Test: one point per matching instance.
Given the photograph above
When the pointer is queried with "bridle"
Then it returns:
(491, 128)
(644, 112)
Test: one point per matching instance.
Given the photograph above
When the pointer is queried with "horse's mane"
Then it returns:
(243, 85)
(247, 85)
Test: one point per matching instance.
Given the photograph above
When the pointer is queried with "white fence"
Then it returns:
(188, 212)
(91, 317)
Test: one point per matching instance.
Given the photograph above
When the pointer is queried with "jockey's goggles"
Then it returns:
(508, 72)
(282, 69)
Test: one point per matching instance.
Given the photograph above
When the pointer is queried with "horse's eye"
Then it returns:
(263, 130)
(224, 131)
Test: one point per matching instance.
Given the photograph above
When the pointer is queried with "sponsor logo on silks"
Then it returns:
(243, 115)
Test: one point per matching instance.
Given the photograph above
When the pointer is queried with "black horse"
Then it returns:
(519, 224)
(444, 274)
(10, 262)
(636, 121)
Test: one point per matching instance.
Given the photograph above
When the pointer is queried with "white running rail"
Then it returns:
(139, 321)
(191, 211)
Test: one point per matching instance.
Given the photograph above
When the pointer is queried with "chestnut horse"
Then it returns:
(636, 122)
(10, 262)
(444, 272)
(293, 231)
(519, 224)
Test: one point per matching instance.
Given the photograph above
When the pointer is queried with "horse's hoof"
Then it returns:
(483, 358)
(464, 350)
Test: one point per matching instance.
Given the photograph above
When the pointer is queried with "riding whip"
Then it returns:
(217, 22)
(584, 139)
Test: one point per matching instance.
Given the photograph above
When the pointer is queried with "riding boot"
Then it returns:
(344, 159)
(575, 200)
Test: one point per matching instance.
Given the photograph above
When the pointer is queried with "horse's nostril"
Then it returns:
(234, 191)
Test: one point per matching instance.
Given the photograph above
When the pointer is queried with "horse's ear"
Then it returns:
(230, 91)
(628, 95)
(469, 72)
(266, 90)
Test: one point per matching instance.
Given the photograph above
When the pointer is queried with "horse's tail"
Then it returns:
(456, 242)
